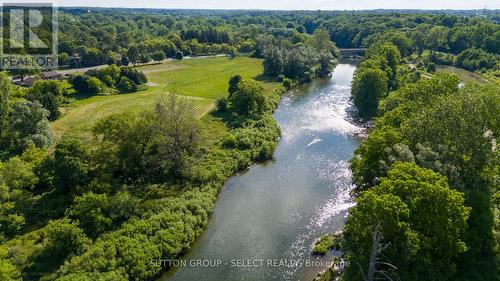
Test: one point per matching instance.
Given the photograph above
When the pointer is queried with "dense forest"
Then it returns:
(105, 36)
(143, 185)
(426, 176)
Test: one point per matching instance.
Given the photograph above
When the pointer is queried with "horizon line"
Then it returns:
(285, 10)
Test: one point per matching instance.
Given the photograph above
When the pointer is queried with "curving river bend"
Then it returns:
(276, 211)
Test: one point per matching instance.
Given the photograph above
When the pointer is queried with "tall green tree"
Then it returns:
(368, 88)
(49, 93)
(249, 98)
(421, 223)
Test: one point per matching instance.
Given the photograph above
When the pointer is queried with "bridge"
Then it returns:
(349, 52)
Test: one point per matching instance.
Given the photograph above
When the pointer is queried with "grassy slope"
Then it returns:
(206, 77)
(200, 80)
(464, 75)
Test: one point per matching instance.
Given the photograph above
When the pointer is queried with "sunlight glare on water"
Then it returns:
(277, 210)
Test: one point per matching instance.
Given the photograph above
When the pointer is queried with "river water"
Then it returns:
(266, 219)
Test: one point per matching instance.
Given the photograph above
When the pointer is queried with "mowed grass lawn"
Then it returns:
(205, 77)
(464, 75)
(199, 80)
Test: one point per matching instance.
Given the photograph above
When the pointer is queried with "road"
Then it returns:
(85, 69)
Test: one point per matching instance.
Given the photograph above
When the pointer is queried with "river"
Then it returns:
(266, 219)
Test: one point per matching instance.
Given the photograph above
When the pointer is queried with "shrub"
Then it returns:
(266, 152)
(233, 83)
(158, 56)
(325, 243)
(221, 104)
(79, 82)
(95, 86)
(475, 59)
(179, 55)
(126, 86)
(288, 83)
(136, 76)
(230, 141)
(431, 68)
(64, 238)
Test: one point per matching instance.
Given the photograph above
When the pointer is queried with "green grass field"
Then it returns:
(199, 80)
(206, 77)
(464, 75)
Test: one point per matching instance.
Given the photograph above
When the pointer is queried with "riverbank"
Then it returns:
(275, 211)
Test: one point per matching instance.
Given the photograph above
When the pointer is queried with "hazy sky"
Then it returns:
(287, 4)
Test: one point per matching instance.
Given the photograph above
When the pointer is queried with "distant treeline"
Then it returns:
(106, 36)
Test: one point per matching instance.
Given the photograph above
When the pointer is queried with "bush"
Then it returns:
(233, 84)
(95, 86)
(230, 141)
(475, 59)
(159, 56)
(325, 243)
(136, 76)
(221, 104)
(249, 98)
(288, 83)
(179, 55)
(79, 82)
(266, 152)
(126, 86)
(431, 68)
(64, 238)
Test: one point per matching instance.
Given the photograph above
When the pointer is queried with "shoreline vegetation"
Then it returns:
(421, 157)
(133, 176)
(145, 188)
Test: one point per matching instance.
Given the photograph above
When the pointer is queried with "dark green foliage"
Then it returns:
(249, 98)
(169, 226)
(157, 145)
(447, 129)
(133, 74)
(221, 105)
(87, 84)
(27, 125)
(125, 79)
(421, 221)
(288, 83)
(49, 93)
(71, 165)
(158, 56)
(22, 123)
(476, 59)
(96, 213)
(65, 238)
(179, 55)
(79, 82)
(126, 85)
(143, 195)
(325, 243)
(133, 54)
(375, 77)
(296, 63)
(368, 88)
(431, 68)
(11, 221)
(88, 210)
(233, 84)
